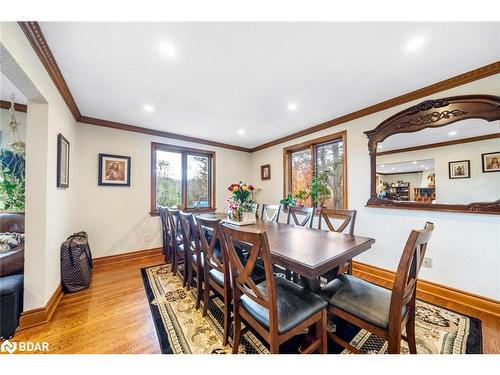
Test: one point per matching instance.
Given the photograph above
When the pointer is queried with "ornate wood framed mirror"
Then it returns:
(438, 155)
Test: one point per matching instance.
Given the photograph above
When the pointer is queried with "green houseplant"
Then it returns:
(289, 201)
(12, 180)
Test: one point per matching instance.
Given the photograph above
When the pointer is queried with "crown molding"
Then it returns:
(158, 133)
(447, 84)
(17, 106)
(37, 40)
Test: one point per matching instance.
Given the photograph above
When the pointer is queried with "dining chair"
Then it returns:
(215, 268)
(192, 253)
(176, 240)
(276, 308)
(378, 310)
(162, 212)
(307, 212)
(270, 212)
(347, 220)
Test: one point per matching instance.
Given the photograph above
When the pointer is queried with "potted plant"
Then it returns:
(301, 196)
(241, 206)
(289, 201)
(320, 190)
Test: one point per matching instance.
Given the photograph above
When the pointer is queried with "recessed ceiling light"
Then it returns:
(427, 168)
(148, 108)
(380, 146)
(383, 165)
(393, 169)
(241, 132)
(292, 107)
(414, 162)
(415, 43)
(421, 166)
(167, 49)
(452, 133)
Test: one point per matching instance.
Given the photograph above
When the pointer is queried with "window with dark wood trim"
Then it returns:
(182, 177)
(303, 161)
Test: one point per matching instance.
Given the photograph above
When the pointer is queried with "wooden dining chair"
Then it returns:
(216, 272)
(347, 220)
(276, 308)
(176, 240)
(165, 240)
(306, 212)
(270, 212)
(379, 310)
(192, 253)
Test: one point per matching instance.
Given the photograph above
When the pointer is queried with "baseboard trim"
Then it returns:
(41, 315)
(127, 256)
(454, 299)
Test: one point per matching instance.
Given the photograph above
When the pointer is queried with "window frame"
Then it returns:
(312, 146)
(184, 151)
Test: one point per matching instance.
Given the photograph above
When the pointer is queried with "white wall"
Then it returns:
(50, 214)
(465, 248)
(117, 219)
(480, 187)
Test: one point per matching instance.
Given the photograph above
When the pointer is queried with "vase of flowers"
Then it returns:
(241, 207)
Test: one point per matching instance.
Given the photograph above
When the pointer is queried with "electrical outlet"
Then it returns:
(427, 262)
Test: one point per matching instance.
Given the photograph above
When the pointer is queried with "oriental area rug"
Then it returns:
(182, 329)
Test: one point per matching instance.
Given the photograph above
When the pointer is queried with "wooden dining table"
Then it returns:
(306, 251)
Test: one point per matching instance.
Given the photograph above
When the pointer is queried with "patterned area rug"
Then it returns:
(182, 329)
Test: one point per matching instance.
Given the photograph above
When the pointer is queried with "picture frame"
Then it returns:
(265, 172)
(491, 162)
(114, 170)
(459, 169)
(63, 152)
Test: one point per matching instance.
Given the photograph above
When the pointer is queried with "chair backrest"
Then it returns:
(348, 218)
(211, 260)
(267, 215)
(242, 274)
(173, 221)
(162, 212)
(405, 283)
(308, 212)
(190, 233)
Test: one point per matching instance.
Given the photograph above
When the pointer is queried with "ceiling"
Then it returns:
(458, 130)
(407, 166)
(233, 82)
(7, 89)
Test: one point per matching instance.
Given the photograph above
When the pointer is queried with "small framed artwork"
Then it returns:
(62, 161)
(459, 169)
(265, 172)
(491, 162)
(114, 170)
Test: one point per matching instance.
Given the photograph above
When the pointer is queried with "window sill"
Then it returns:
(190, 210)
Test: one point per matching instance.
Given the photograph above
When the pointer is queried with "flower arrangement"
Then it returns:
(240, 202)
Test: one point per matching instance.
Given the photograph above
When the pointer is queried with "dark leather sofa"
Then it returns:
(11, 277)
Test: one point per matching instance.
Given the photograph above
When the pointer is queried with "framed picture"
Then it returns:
(265, 172)
(459, 169)
(62, 161)
(491, 162)
(114, 170)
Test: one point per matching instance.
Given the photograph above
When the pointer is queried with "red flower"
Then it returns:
(251, 187)
(232, 186)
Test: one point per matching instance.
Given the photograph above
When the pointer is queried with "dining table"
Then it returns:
(305, 251)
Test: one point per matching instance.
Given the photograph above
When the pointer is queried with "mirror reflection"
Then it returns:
(448, 165)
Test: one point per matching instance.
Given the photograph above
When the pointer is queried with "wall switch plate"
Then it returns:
(427, 262)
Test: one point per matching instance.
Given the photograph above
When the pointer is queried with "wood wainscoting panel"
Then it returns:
(437, 294)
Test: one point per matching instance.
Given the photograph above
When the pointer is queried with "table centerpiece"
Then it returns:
(241, 207)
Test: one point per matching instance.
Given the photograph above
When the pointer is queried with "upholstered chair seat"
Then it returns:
(360, 298)
(294, 305)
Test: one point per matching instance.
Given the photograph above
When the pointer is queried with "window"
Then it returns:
(181, 177)
(323, 158)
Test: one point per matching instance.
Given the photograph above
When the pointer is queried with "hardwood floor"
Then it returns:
(113, 315)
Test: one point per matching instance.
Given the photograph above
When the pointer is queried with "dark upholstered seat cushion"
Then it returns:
(295, 304)
(360, 298)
